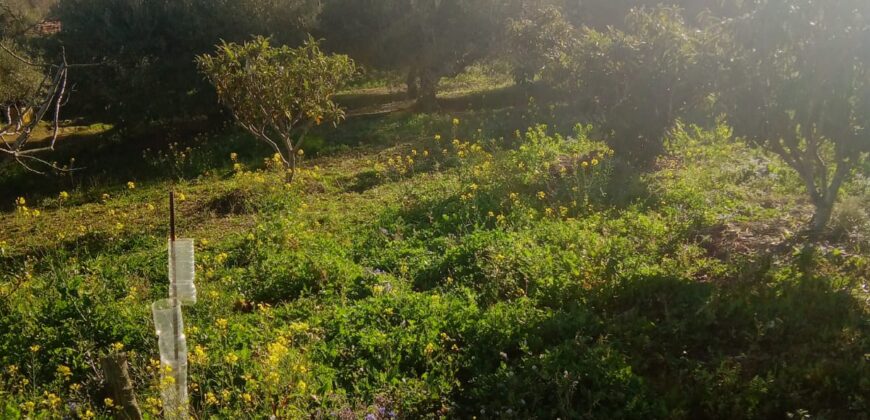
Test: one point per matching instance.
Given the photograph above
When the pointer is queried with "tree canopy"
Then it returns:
(427, 39)
(148, 48)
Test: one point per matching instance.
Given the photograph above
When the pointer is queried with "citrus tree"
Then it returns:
(537, 38)
(278, 93)
(638, 81)
(427, 40)
(799, 85)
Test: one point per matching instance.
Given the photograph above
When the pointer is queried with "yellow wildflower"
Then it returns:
(109, 402)
(35, 348)
(456, 121)
(541, 195)
(199, 355)
(131, 185)
(52, 400)
(210, 398)
(63, 195)
(64, 371)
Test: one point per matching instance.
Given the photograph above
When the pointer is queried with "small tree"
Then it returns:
(278, 93)
(799, 85)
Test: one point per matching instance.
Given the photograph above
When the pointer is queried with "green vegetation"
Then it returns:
(456, 277)
(593, 211)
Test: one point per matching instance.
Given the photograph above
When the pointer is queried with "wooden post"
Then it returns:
(120, 386)
(173, 293)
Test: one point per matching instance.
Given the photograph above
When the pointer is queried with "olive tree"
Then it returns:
(798, 84)
(278, 93)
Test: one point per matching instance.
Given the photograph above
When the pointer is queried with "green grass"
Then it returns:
(498, 279)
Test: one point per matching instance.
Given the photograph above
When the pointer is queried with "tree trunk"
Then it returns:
(825, 199)
(121, 387)
(427, 99)
(291, 167)
(820, 219)
(413, 83)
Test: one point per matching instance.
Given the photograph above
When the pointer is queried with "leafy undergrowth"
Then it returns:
(441, 272)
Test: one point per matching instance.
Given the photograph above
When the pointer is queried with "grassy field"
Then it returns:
(457, 265)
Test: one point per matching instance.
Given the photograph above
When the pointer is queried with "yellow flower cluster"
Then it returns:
(277, 351)
(64, 371)
(399, 166)
(21, 207)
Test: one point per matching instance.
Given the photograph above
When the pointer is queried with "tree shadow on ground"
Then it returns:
(762, 348)
(112, 157)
